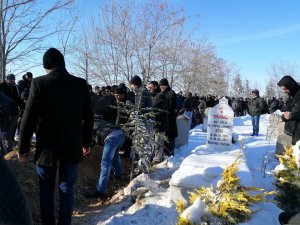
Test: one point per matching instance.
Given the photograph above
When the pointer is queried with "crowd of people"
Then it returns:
(69, 119)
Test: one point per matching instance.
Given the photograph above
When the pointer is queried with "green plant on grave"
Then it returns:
(230, 203)
(288, 181)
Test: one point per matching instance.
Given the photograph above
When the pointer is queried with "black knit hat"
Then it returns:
(163, 82)
(119, 91)
(136, 80)
(53, 58)
(10, 77)
(28, 74)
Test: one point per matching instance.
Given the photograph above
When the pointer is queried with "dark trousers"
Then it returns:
(67, 177)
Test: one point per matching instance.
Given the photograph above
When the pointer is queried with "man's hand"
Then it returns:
(286, 115)
(86, 151)
(23, 158)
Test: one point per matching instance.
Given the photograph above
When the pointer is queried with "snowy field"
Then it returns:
(152, 203)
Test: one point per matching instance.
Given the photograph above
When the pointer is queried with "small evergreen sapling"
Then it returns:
(230, 202)
(288, 181)
(140, 128)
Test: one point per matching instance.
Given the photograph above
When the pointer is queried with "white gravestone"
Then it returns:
(219, 127)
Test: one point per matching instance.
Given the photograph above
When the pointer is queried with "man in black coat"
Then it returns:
(11, 89)
(291, 116)
(172, 132)
(188, 107)
(256, 105)
(60, 105)
(8, 120)
(25, 82)
(160, 106)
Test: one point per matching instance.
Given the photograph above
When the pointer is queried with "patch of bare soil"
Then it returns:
(89, 171)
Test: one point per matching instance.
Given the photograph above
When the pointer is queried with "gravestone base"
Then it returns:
(203, 170)
(283, 140)
(179, 193)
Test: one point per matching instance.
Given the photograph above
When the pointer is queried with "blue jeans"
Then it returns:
(110, 157)
(255, 124)
(67, 178)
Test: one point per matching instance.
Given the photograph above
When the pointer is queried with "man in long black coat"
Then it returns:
(291, 116)
(171, 99)
(160, 106)
(60, 105)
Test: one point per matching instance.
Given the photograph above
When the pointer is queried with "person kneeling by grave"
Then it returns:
(112, 138)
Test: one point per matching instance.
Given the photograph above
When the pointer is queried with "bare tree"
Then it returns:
(278, 70)
(157, 24)
(23, 28)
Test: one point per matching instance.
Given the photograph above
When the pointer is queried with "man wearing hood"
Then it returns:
(291, 116)
(256, 105)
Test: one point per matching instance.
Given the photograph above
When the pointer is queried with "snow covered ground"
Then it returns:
(151, 205)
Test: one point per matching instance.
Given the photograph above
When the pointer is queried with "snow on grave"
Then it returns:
(220, 124)
(204, 127)
(204, 168)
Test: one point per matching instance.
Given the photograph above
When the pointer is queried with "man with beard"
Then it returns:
(291, 116)
(172, 132)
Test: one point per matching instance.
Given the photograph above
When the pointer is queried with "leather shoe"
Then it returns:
(94, 193)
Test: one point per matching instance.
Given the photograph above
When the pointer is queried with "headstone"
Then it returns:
(219, 127)
(183, 127)
(272, 128)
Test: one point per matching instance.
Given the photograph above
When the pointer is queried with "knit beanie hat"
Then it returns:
(53, 58)
(255, 91)
(119, 91)
(136, 80)
(10, 77)
(28, 74)
(163, 82)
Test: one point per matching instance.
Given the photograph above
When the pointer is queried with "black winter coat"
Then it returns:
(162, 121)
(12, 91)
(24, 84)
(188, 104)
(292, 125)
(8, 110)
(256, 106)
(60, 103)
(171, 99)
(104, 106)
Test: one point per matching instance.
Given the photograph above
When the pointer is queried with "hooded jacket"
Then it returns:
(292, 125)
